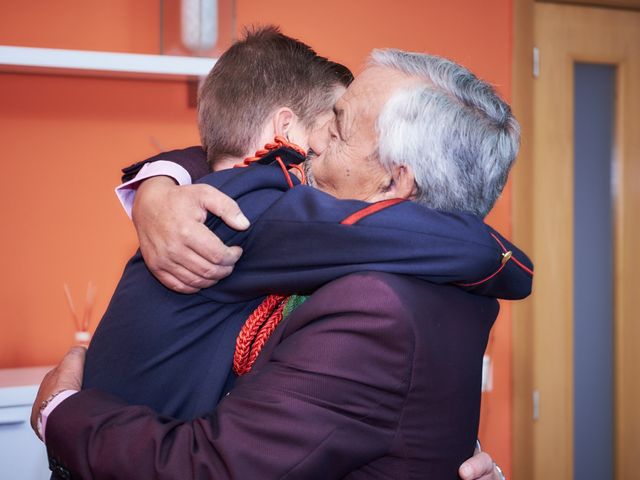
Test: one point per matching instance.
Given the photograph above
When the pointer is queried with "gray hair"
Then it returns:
(457, 135)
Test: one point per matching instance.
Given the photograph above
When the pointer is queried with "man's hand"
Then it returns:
(66, 376)
(479, 467)
(176, 245)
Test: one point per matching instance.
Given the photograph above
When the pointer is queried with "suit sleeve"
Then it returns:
(323, 401)
(192, 159)
(299, 244)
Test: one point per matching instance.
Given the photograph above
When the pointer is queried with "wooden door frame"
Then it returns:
(522, 208)
(527, 211)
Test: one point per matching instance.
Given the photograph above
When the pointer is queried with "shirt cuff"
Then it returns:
(57, 400)
(127, 191)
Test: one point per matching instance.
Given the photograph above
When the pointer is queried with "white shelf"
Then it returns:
(84, 62)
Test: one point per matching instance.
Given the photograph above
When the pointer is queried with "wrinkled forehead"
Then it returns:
(374, 86)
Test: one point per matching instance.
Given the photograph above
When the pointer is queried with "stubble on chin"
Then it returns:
(308, 173)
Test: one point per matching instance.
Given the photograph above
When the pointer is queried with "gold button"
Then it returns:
(506, 256)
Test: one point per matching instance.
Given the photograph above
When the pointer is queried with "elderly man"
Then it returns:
(374, 375)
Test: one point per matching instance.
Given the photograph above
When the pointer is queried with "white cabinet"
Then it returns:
(22, 455)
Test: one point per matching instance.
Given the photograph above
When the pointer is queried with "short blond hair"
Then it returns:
(264, 71)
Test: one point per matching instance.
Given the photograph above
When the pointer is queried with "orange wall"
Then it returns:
(65, 138)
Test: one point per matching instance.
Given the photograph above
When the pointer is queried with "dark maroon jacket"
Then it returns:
(375, 376)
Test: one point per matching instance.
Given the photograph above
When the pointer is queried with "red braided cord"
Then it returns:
(265, 333)
(264, 319)
(250, 330)
(255, 332)
(277, 143)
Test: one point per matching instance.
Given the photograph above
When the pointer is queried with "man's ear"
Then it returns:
(403, 183)
(282, 121)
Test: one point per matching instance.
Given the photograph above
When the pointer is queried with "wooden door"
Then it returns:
(563, 36)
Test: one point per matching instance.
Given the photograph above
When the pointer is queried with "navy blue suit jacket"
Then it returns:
(173, 352)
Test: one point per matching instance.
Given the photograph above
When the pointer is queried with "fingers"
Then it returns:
(180, 251)
(75, 355)
(71, 368)
(173, 283)
(478, 467)
(66, 376)
(179, 279)
(224, 207)
(198, 262)
(195, 272)
(211, 250)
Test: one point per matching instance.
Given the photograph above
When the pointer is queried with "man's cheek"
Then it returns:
(340, 151)
(319, 140)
